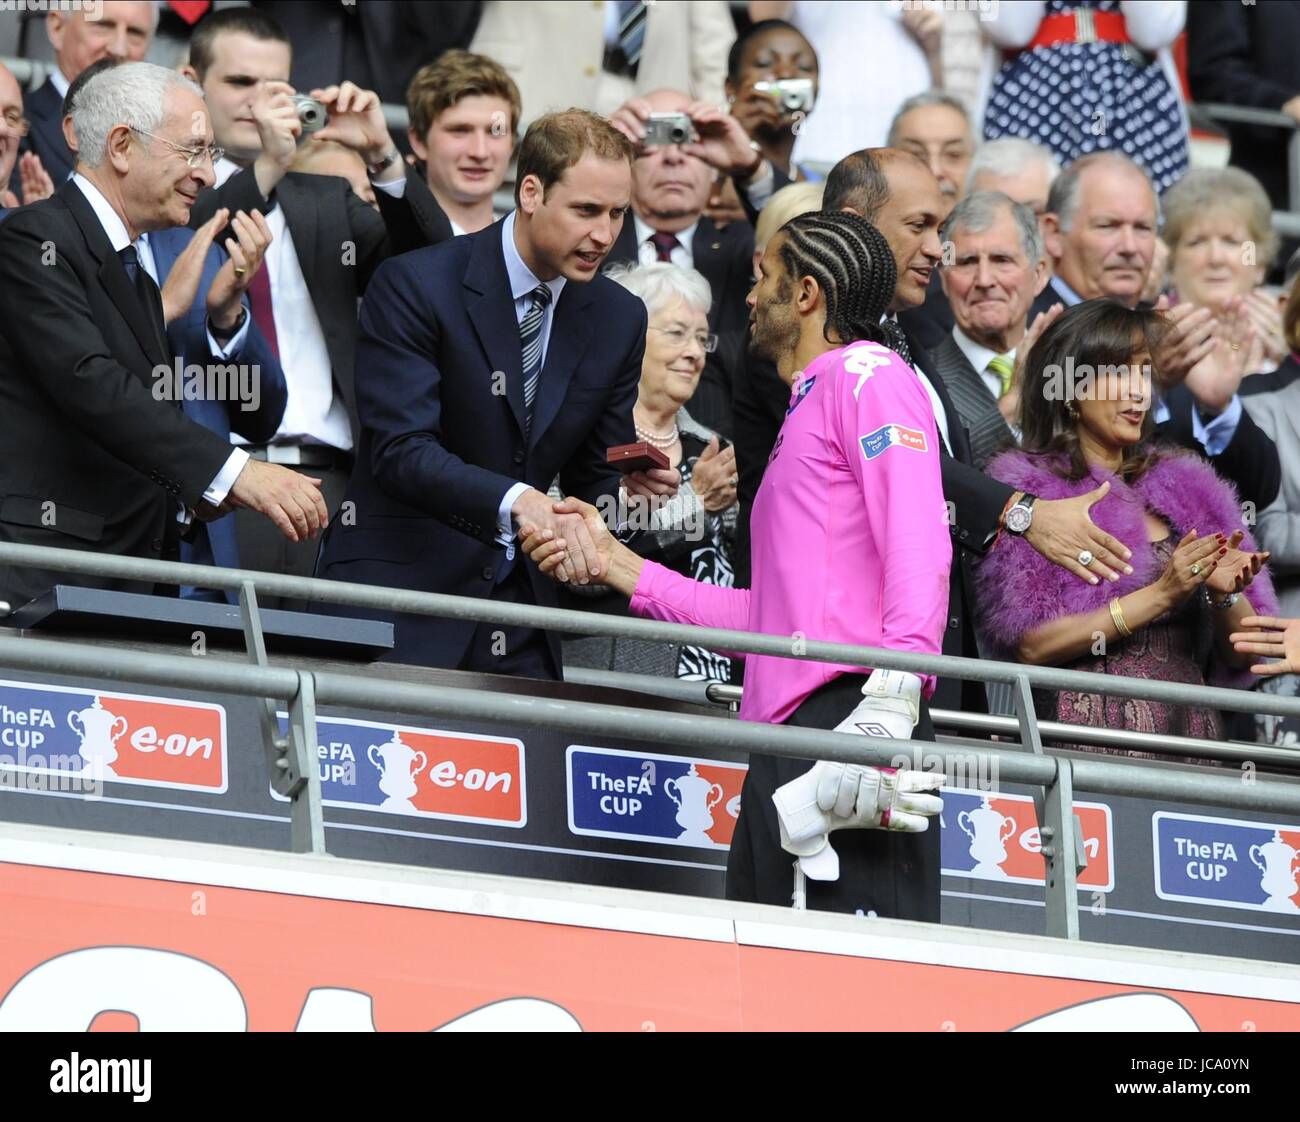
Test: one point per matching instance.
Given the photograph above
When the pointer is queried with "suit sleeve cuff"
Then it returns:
(394, 187)
(1216, 434)
(759, 189)
(220, 487)
(505, 522)
(235, 344)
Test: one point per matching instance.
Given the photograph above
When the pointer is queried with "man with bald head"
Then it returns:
(670, 189)
(1100, 231)
(119, 29)
(901, 197)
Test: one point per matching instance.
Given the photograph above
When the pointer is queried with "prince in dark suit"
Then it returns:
(493, 364)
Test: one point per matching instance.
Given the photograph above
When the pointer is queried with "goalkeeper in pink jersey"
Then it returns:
(850, 545)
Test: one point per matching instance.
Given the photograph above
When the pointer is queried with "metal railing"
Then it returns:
(291, 754)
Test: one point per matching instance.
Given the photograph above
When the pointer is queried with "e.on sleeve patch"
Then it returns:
(892, 436)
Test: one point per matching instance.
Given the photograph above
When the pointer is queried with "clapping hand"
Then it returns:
(1235, 569)
(714, 477)
(246, 249)
(1009, 404)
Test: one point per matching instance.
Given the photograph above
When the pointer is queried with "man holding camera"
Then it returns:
(670, 189)
(320, 230)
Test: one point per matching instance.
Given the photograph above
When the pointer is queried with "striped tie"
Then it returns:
(631, 30)
(530, 341)
(1003, 366)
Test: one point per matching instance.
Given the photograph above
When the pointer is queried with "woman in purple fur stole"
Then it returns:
(1085, 416)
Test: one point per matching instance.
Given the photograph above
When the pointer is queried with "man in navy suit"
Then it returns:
(494, 363)
(204, 290)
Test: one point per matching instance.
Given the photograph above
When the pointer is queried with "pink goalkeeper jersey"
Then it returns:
(849, 531)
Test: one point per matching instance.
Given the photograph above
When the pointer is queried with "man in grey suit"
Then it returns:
(994, 265)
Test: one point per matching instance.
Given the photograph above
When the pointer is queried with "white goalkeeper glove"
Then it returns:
(835, 796)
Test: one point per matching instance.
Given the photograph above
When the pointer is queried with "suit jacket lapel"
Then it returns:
(300, 218)
(958, 439)
(112, 275)
(491, 310)
(571, 329)
(625, 245)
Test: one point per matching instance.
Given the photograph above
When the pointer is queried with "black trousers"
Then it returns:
(521, 652)
(264, 548)
(892, 874)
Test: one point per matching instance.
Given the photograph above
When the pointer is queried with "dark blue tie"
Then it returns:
(530, 341)
(145, 289)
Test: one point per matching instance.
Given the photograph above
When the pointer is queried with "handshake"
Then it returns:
(570, 542)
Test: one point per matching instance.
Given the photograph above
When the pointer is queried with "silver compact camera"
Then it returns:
(311, 114)
(668, 128)
(793, 95)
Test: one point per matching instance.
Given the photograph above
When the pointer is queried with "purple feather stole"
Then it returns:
(1018, 589)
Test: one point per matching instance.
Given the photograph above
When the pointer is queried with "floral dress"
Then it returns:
(1172, 648)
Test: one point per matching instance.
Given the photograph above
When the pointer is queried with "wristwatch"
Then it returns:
(388, 161)
(1021, 516)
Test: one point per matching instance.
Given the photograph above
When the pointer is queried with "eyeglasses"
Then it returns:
(193, 156)
(680, 338)
(16, 121)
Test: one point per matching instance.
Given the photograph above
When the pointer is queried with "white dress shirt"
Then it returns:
(59, 82)
(118, 235)
(979, 356)
(682, 255)
(940, 413)
(523, 282)
(313, 413)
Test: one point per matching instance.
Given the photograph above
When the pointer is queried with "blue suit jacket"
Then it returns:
(441, 444)
(214, 543)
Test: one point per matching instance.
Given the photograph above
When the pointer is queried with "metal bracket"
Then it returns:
(1059, 835)
(291, 754)
(1064, 856)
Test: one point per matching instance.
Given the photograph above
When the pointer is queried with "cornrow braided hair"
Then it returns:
(852, 264)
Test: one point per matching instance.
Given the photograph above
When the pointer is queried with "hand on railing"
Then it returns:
(1273, 638)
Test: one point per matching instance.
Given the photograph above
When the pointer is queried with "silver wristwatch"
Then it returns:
(1021, 516)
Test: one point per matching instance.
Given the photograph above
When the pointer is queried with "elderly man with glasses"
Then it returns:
(99, 454)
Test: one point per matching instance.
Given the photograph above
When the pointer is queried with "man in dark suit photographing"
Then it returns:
(495, 363)
(96, 458)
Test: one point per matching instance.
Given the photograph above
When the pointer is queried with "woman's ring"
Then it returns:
(1196, 569)
(1085, 558)
(239, 272)
(734, 480)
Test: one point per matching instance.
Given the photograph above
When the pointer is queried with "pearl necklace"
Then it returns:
(656, 440)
